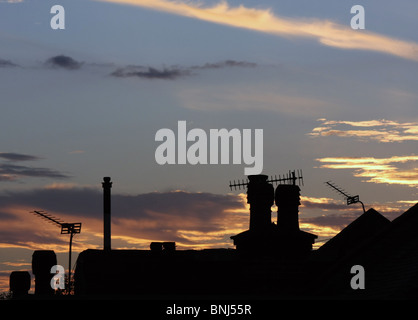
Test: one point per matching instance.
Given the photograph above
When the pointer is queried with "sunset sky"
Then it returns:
(86, 102)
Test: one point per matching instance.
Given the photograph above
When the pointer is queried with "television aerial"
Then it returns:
(66, 228)
(292, 177)
(350, 199)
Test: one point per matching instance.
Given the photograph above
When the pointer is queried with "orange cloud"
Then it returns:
(377, 170)
(179, 216)
(378, 130)
(263, 20)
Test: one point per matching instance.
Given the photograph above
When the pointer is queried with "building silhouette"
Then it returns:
(271, 259)
(283, 239)
(252, 267)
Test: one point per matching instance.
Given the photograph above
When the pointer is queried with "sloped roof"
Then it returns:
(365, 227)
(390, 261)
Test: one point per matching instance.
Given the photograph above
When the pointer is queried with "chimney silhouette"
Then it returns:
(285, 239)
(260, 196)
(42, 262)
(287, 199)
(107, 185)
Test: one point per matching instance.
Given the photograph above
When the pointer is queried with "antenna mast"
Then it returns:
(292, 177)
(66, 228)
(350, 199)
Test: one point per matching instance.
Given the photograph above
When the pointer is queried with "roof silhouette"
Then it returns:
(390, 260)
(354, 235)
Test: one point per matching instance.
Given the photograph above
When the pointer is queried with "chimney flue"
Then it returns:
(287, 199)
(260, 196)
(107, 185)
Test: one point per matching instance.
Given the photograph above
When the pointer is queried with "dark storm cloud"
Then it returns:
(17, 156)
(7, 63)
(150, 73)
(63, 61)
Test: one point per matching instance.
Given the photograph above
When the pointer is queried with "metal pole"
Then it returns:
(364, 210)
(69, 263)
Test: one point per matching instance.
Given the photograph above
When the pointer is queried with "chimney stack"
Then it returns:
(287, 199)
(107, 185)
(260, 196)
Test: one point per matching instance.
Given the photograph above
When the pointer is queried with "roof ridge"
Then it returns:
(407, 214)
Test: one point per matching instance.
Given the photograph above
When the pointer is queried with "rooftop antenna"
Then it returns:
(292, 177)
(350, 199)
(66, 228)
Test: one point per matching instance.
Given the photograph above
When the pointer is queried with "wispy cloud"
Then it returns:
(150, 73)
(251, 98)
(225, 64)
(17, 156)
(138, 71)
(7, 63)
(402, 170)
(263, 20)
(17, 264)
(174, 72)
(324, 204)
(376, 130)
(9, 171)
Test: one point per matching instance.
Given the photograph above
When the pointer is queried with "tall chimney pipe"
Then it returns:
(107, 185)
